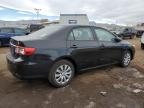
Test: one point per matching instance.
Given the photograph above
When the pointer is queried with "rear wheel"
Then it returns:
(126, 58)
(142, 46)
(61, 73)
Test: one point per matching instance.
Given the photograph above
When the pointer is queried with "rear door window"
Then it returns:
(82, 33)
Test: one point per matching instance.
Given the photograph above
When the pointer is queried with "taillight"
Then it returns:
(25, 50)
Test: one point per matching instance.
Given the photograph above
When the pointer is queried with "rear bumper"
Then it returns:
(26, 69)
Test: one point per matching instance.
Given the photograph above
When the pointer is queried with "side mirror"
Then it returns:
(117, 39)
(27, 33)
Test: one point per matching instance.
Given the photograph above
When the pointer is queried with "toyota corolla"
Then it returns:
(58, 52)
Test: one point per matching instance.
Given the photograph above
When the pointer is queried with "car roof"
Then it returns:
(72, 26)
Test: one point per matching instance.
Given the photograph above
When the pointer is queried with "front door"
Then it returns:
(110, 51)
(83, 47)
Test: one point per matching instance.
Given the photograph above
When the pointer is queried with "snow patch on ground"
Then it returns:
(90, 105)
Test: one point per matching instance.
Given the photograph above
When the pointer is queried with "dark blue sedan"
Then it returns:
(7, 32)
(58, 52)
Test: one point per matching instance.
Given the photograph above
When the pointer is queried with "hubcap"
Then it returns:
(63, 74)
(127, 59)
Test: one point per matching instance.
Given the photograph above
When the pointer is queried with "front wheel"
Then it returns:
(126, 58)
(61, 73)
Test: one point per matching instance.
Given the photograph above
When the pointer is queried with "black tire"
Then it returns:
(56, 77)
(131, 37)
(142, 46)
(126, 58)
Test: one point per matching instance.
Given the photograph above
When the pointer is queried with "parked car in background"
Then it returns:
(139, 33)
(7, 32)
(58, 52)
(127, 32)
(116, 32)
(35, 27)
(142, 41)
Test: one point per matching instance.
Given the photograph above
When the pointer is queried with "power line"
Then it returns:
(37, 12)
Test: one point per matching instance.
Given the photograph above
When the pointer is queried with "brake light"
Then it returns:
(25, 50)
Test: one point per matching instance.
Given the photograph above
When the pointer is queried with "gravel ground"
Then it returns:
(108, 87)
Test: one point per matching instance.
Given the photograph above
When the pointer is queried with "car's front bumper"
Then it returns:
(27, 69)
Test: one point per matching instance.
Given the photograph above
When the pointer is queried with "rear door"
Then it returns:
(83, 47)
(110, 50)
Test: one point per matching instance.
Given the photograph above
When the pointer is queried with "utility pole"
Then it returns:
(37, 12)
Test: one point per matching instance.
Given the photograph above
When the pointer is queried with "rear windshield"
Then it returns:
(46, 32)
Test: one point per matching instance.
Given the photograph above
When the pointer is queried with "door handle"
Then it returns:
(73, 46)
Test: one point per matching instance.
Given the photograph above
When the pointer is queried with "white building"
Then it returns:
(80, 19)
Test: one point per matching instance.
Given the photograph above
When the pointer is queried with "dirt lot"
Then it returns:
(109, 87)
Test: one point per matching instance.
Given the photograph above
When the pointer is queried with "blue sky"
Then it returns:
(104, 11)
(8, 14)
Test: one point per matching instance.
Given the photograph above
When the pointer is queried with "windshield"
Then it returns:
(45, 32)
